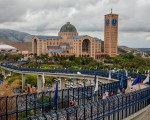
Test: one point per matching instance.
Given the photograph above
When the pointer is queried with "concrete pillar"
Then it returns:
(11, 73)
(40, 83)
(43, 79)
(4, 73)
(23, 81)
(60, 83)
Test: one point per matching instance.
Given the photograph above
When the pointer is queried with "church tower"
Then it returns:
(111, 34)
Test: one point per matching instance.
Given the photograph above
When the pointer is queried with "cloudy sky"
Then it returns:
(45, 17)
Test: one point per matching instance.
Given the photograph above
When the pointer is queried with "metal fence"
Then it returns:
(36, 104)
(21, 106)
(103, 73)
(113, 108)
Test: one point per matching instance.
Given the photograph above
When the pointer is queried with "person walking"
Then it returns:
(131, 90)
(107, 94)
(123, 90)
(111, 94)
(71, 102)
(104, 96)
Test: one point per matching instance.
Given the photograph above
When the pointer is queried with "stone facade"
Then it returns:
(68, 42)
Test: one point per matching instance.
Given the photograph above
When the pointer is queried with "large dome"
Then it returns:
(68, 28)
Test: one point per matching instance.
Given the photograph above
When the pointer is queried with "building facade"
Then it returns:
(111, 34)
(67, 43)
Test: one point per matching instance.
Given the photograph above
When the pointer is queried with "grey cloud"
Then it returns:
(87, 15)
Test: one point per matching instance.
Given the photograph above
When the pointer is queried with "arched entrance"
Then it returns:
(35, 46)
(86, 46)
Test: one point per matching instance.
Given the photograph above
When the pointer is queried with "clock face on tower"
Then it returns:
(114, 22)
(107, 21)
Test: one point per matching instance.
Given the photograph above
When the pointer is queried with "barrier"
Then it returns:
(102, 73)
(24, 104)
(113, 108)
(41, 106)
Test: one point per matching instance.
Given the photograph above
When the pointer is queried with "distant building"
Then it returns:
(7, 49)
(68, 42)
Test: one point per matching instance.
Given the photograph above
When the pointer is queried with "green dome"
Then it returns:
(68, 28)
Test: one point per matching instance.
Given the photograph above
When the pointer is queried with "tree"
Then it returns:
(1, 76)
(31, 79)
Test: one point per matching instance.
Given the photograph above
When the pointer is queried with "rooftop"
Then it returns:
(47, 37)
(4, 46)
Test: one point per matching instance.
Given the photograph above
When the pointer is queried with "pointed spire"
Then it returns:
(111, 10)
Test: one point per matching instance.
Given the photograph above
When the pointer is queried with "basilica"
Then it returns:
(69, 42)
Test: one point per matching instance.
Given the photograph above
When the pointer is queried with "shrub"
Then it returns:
(32, 80)
(12, 78)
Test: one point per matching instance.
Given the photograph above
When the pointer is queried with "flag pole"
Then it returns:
(56, 96)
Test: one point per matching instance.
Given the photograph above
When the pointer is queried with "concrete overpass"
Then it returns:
(41, 77)
(140, 115)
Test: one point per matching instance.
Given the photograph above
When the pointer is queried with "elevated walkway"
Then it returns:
(143, 114)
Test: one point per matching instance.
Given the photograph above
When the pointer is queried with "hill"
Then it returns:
(7, 35)
(127, 49)
(23, 46)
(121, 49)
(144, 49)
(17, 39)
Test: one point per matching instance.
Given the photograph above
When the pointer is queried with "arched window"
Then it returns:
(85, 45)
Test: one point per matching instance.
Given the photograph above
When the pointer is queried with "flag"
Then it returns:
(137, 80)
(121, 81)
(147, 79)
(43, 78)
(126, 73)
(95, 78)
(107, 93)
(117, 76)
(109, 74)
(96, 86)
(142, 80)
(84, 82)
(56, 95)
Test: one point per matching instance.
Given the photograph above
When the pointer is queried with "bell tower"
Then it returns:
(111, 34)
